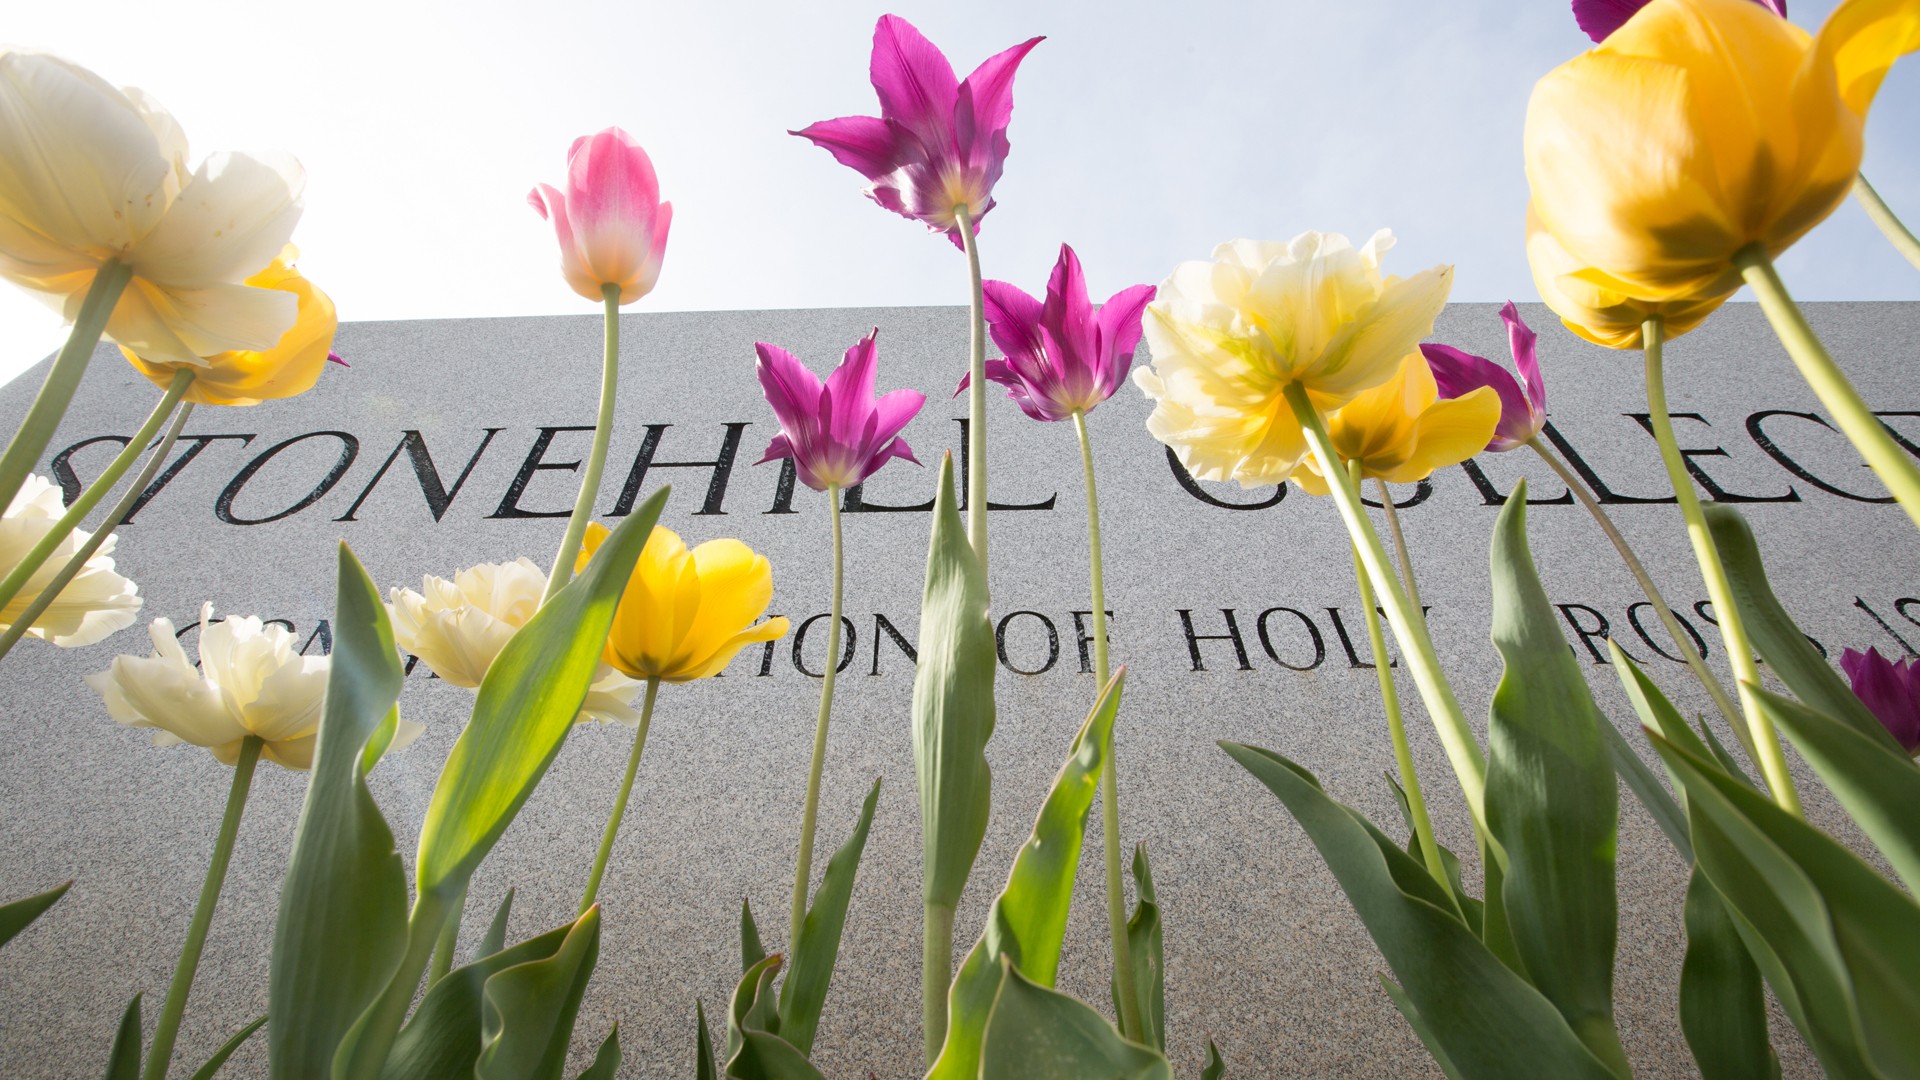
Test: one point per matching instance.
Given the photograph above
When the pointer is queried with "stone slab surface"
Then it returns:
(1263, 952)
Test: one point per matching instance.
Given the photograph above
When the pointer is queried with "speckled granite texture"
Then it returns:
(1263, 953)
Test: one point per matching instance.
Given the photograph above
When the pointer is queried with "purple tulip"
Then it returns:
(1523, 403)
(936, 144)
(836, 433)
(1889, 690)
(1062, 356)
(1598, 18)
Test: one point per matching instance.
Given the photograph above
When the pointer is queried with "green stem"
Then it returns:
(803, 867)
(936, 974)
(1399, 542)
(56, 392)
(1390, 698)
(620, 801)
(1469, 765)
(17, 578)
(78, 560)
(1691, 656)
(1866, 431)
(1733, 631)
(1896, 231)
(1125, 987)
(976, 393)
(161, 1055)
(446, 943)
(597, 457)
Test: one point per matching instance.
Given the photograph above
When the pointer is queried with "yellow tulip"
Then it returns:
(1702, 127)
(245, 377)
(685, 614)
(1400, 431)
(1603, 313)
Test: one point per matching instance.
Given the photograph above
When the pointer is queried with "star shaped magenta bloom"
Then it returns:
(1062, 356)
(1890, 691)
(937, 144)
(1523, 402)
(836, 432)
(1598, 18)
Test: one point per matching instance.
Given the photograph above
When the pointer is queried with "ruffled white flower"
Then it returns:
(457, 627)
(95, 603)
(250, 682)
(89, 173)
(1229, 336)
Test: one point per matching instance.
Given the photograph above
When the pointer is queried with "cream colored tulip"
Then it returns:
(250, 682)
(90, 173)
(457, 627)
(95, 603)
(1229, 337)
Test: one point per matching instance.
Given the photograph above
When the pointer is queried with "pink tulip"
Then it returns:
(1889, 690)
(937, 144)
(1523, 403)
(1600, 18)
(610, 221)
(837, 433)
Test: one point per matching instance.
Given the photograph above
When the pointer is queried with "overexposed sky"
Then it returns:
(1143, 134)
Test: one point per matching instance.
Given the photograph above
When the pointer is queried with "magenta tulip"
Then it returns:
(610, 221)
(1890, 691)
(1523, 402)
(1062, 356)
(837, 432)
(937, 145)
(1598, 18)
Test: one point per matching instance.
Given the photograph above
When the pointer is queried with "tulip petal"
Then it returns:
(1457, 374)
(850, 387)
(1599, 18)
(1861, 40)
(893, 411)
(1366, 350)
(985, 99)
(1012, 317)
(1119, 325)
(792, 390)
(777, 449)
(864, 144)
(230, 219)
(771, 630)
(735, 585)
(915, 82)
(1447, 433)
(183, 326)
(1525, 345)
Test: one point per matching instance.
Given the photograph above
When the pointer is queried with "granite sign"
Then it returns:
(449, 443)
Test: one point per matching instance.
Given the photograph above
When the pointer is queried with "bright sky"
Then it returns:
(1141, 136)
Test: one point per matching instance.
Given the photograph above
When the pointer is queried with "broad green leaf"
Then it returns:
(1028, 919)
(755, 1050)
(1145, 948)
(1037, 1033)
(19, 914)
(952, 703)
(1216, 1067)
(526, 705)
(1473, 910)
(342, 926)
(1552, 800)
(1775, 637)
(1490, 1023)
(1723, 1007)
(529, 1008)
(804, 993)
(445, 1034)
(751, 951)
(1847, 939)
(1879, 787)
(123, 1059)
(1654, 797)
(1412, 1015)
(496, 935)
(1728, 763)
(606, 1063)
(1657, 714)
(703, 1064)
(220, 1056)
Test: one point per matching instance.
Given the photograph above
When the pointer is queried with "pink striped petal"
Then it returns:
(984, 104)
(1013, 317)
(1524, 343)
(851, 387)
(792, 390)
(915, 82)
(1119, 324)
(864, 144)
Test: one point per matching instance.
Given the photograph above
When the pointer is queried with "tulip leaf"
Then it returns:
(19, 914)
(1474, 911)
(1028, 920)
(1037, 1033)
(1145, 948)
(220, 1056)
(528, 1009)
(1775, 637)
(1405, 1004)
(751, 951)
(1879, 787)
(1847, 939)
(495, 938)
(703, 1063)
(1490, 1023)
(342, 925)
(1552, 800)
(444, 1036)
(526, 706)
(804, 993)
(1216, 1069)
(1640, 779)
(755, 1050)
(123, 1059)
(606, 1063)
(1723, 1006)
(953, 710)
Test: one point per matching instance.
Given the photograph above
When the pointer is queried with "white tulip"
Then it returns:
(95, 603)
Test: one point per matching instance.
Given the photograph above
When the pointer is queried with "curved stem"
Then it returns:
(976, 392)
(17, 577)
(1733, 631)
(1463, 753)
(1896, 231)
(597, 457)
(936, 974)
(1125, 986)
(56, 392)
(1689, 654)
(161, 1055)
(803, 867)
(1869, 436)
(447, 942)
(78, 560)
(1399, 542)
(620, 801)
